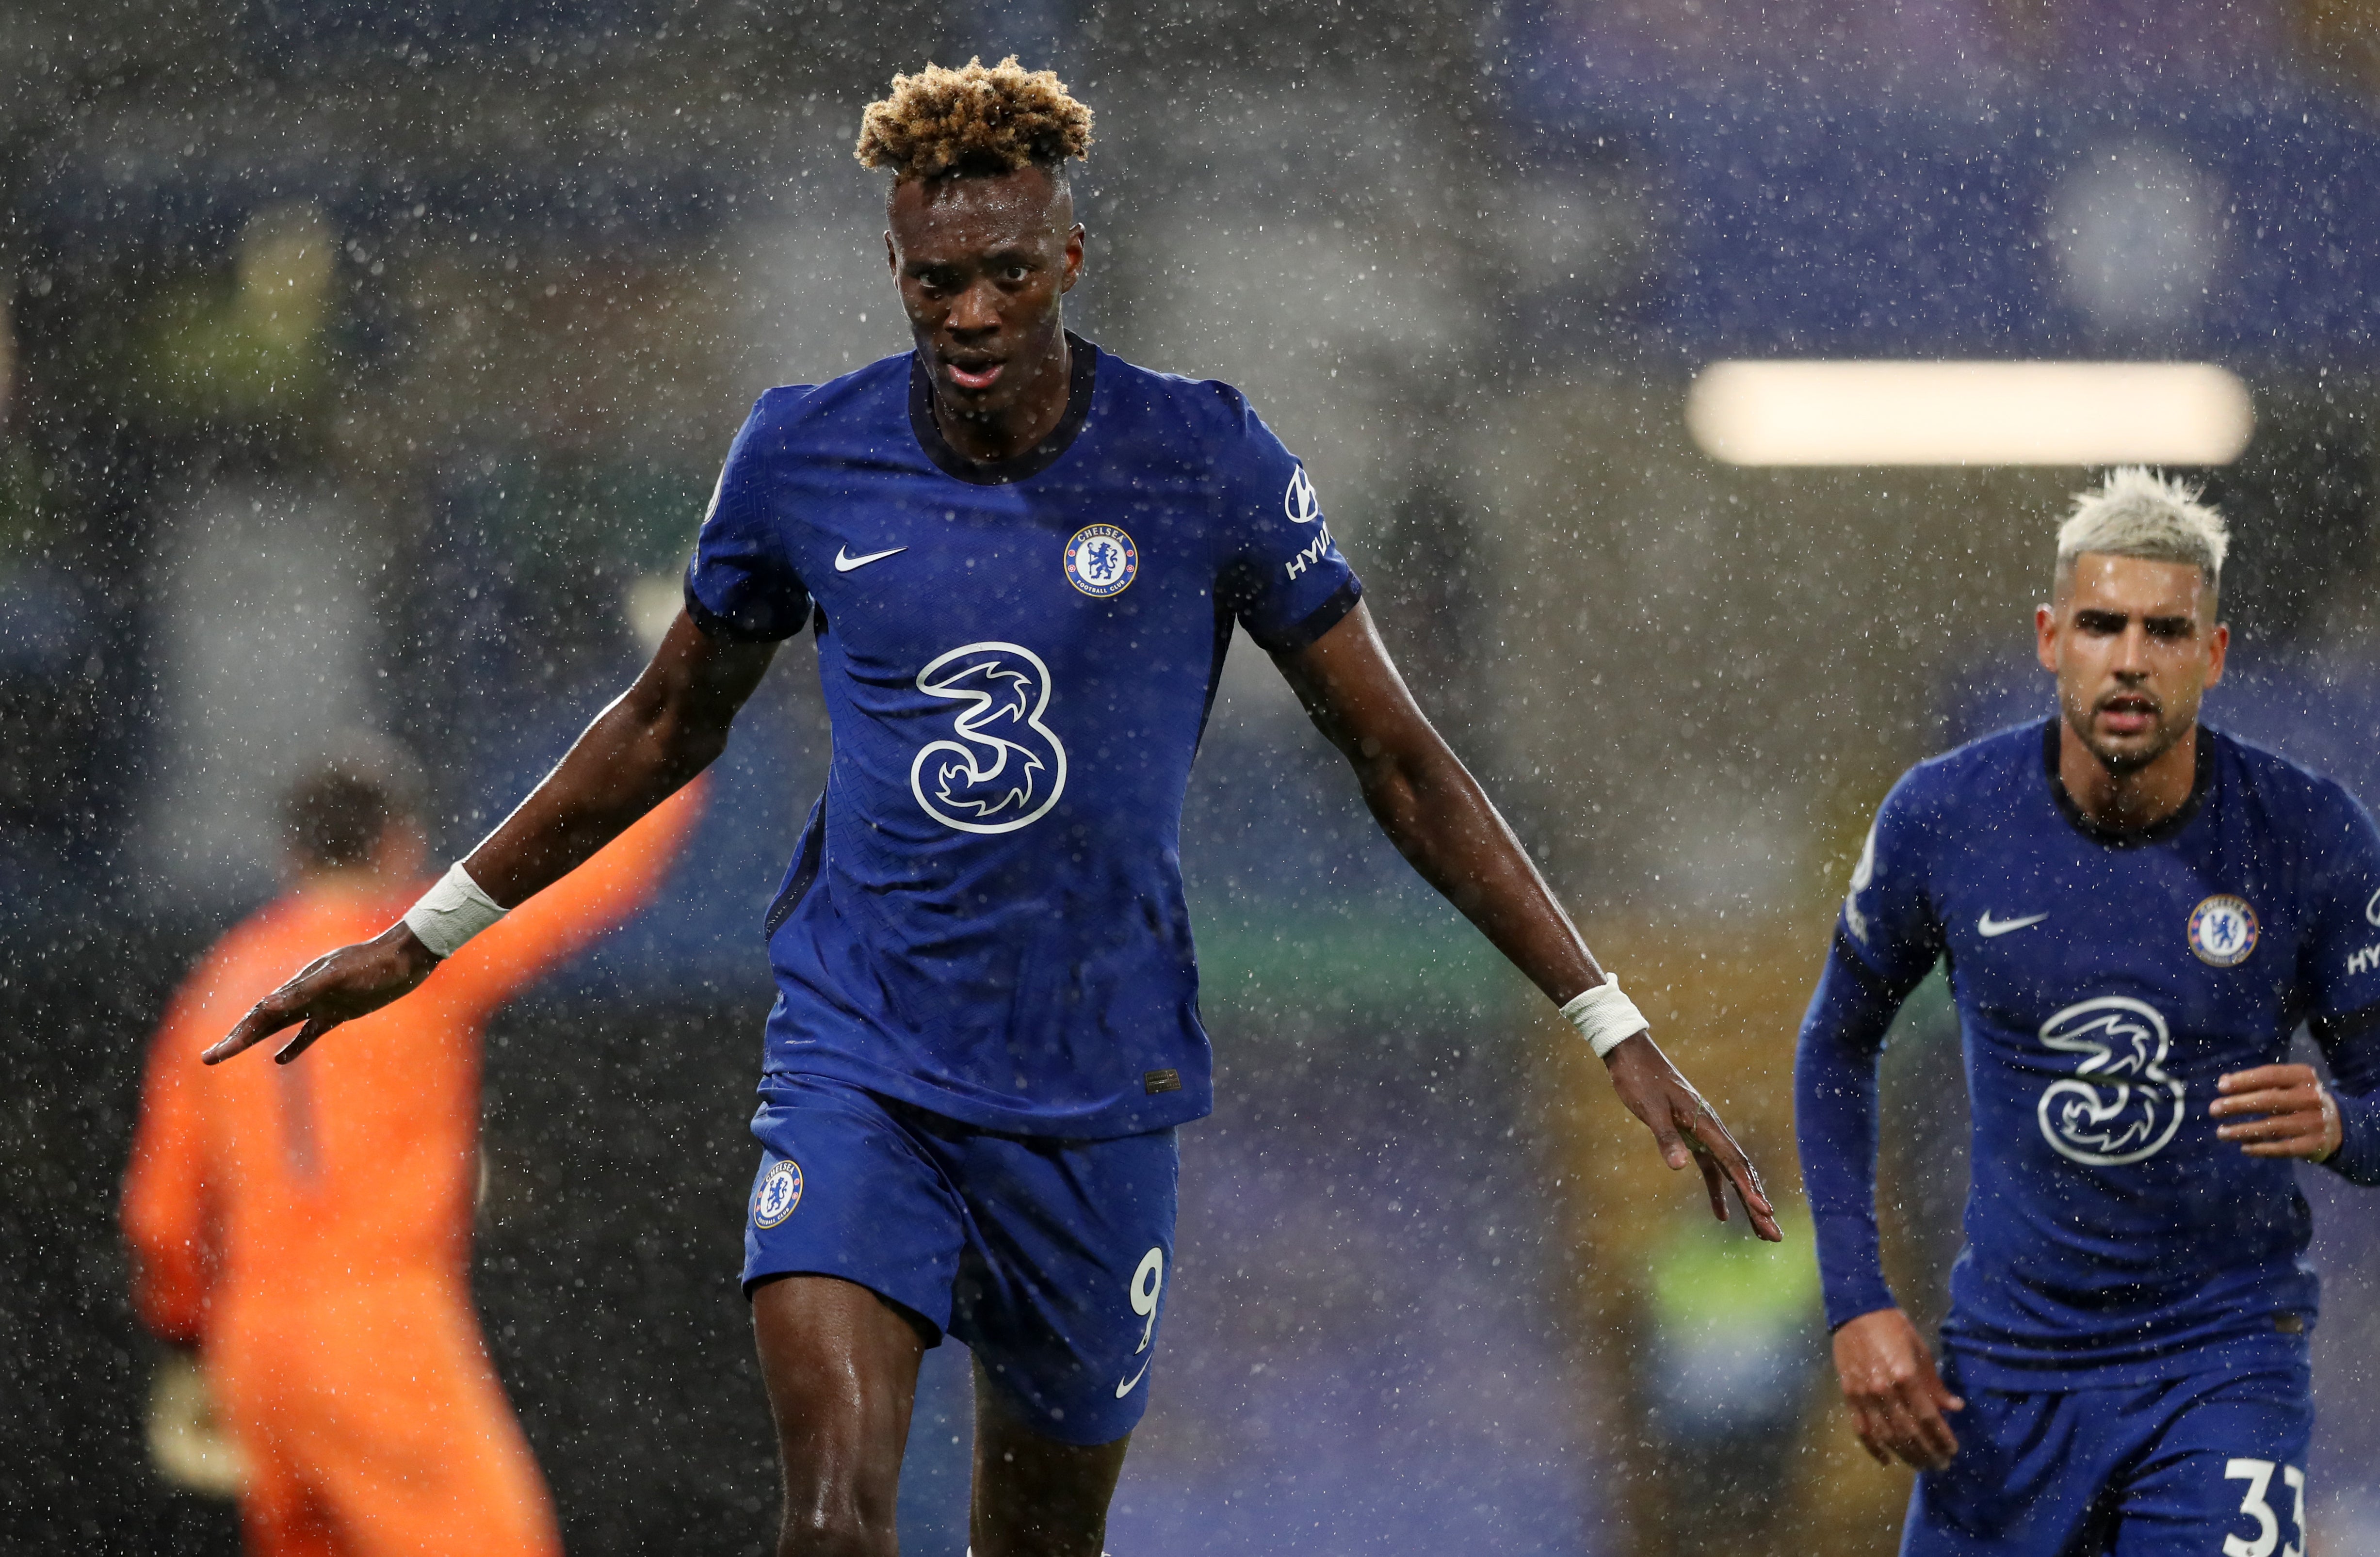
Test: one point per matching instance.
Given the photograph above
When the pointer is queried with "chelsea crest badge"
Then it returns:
(1100, 560)
(780, 1193)
(2223, 931)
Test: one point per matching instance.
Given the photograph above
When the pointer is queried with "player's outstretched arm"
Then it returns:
(665, 728)
(1440, 820)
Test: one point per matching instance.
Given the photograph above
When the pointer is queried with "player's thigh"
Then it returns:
(1036, 1496)
(840, 1365)
(278, 1514)
(849, 1187)
(852, 1244)
(413, 1448)
(1069, 1266)
(284, 1522)
(2030, 1477)
(2227, 1475)
(477, 1492)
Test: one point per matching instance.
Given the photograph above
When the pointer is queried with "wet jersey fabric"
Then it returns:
(2206, 1463)
(1048, 1258)
(2104, 983)
(984, 915)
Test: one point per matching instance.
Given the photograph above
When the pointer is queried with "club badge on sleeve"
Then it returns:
(2223, 931)
(780, 1193)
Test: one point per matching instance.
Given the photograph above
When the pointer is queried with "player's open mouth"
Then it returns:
(981, 376)
(2128, 715)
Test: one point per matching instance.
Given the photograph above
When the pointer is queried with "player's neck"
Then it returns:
(2127, 802)
(1033, 416)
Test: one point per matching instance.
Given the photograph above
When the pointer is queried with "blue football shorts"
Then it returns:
(1048, 1258)
(2210, 1462)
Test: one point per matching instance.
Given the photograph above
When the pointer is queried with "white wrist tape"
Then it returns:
(1605, 1018)
(452, 913)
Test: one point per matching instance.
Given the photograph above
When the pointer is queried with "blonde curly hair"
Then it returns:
(976, 119)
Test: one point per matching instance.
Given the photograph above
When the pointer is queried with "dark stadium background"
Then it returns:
(369, 360)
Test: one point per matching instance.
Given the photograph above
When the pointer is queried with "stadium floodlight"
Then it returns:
(1810, 413)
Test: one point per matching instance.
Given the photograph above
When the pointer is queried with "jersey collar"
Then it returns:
(1082, 359)
(2202, 780)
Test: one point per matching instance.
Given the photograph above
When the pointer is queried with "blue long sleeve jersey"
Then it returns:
(2104, 983)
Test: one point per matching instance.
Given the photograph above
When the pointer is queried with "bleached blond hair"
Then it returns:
(979, 118)
(2135, 513)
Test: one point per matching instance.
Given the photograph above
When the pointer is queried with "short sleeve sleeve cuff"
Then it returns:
(763, 621)
(1314, 623)
(742, 586)
(1284, 578)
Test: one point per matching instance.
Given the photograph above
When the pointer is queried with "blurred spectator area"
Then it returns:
(1949, 178)
(473, 292)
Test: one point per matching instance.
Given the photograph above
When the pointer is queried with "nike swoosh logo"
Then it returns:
(1126, 1388)
(844, 562)
(1988, 927)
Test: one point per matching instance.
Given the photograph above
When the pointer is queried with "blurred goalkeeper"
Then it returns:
(308, 1228)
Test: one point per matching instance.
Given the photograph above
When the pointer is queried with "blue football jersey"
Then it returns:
(984, 915)
(2104, 983)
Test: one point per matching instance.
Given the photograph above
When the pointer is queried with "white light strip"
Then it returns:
(1969, 413)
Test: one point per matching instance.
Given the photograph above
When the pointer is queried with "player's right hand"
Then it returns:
(1686, 1130)
(1897, 1398)
(352, 982)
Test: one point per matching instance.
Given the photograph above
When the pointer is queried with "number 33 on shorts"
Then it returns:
(1147, 1285)
(2258, 1474)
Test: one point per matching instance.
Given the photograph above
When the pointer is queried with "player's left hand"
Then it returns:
(352, 982)
(2279, 1111)
(1685, 1128)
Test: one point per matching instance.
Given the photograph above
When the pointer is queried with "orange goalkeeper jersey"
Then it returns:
(278, 1212)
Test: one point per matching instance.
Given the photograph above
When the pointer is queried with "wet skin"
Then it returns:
(2134, 645)
(982, 264)
(840, 1367)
